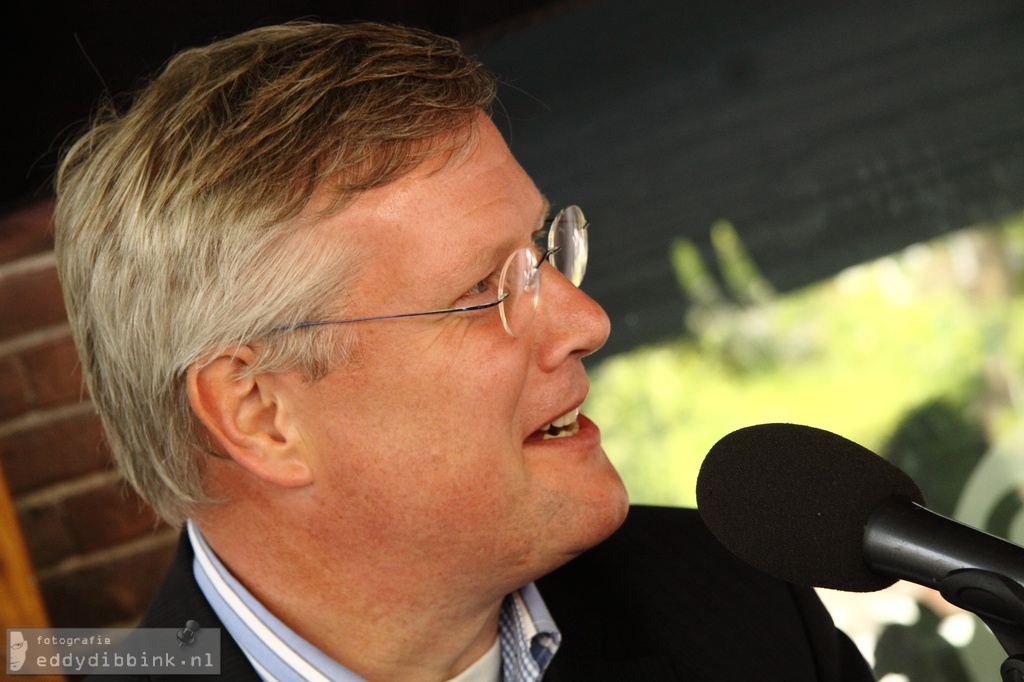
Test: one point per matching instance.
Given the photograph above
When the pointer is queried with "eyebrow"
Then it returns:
(499, 252)
(545, 215)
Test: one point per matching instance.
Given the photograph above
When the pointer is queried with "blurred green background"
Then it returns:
(917, 356)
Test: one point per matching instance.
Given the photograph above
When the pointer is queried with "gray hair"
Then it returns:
(183, 225)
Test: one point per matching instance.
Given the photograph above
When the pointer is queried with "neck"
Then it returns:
(381, 616)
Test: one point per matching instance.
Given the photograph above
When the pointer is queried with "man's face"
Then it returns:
(19, 650)
(428, 440)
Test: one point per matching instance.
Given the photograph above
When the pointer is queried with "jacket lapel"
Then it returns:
(602, 668)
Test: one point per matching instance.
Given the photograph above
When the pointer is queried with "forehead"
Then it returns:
(446, 212)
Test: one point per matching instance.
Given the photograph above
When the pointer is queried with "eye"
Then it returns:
(480, 287)
(540, 237)
(483, 291)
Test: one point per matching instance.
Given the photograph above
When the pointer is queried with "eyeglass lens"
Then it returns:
(520, 278)
(519, 288)
(569, 236)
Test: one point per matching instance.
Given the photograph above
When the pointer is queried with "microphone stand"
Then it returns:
(999, 602)
(899, 540)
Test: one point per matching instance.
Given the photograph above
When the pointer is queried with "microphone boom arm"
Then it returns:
(909, 542)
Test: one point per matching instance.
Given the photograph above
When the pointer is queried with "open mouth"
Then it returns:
(566, 425)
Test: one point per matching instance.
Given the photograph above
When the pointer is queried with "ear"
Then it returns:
(248, 418)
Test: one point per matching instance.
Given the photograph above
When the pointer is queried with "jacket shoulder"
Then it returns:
(662, 583)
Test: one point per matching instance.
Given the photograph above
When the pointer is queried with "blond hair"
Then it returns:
(182, 226)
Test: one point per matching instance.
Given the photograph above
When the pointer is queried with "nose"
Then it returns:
(569, 323)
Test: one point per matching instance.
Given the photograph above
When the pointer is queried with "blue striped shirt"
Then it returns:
(527, 635)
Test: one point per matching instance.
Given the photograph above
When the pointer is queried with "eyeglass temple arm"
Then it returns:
(321, 323)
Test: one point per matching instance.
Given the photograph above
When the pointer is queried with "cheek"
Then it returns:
(446, 493)
(433, 413)
(458, 378)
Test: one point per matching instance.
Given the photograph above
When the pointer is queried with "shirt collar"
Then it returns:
(527, 634)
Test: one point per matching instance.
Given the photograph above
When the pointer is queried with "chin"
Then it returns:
(598, 519)
(613, 513)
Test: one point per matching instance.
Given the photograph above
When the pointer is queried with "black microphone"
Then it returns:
(814, 508)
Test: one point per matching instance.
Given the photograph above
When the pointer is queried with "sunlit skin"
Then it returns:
(405, 494)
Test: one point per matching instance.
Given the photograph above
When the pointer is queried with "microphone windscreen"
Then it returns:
(793, 502)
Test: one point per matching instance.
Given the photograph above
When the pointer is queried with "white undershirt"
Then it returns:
(486, 669)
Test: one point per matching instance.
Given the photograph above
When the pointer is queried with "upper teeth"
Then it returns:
(564, 420)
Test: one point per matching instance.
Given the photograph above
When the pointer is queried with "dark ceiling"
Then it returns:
(827, 132)
(66, 54)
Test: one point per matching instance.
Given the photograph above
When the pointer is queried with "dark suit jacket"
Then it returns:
(660, 600)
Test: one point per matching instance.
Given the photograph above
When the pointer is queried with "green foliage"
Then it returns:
(739, 272)
(733, 326)
(938, 444)
(922, 331)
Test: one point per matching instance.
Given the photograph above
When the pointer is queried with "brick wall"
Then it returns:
(98, 552)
